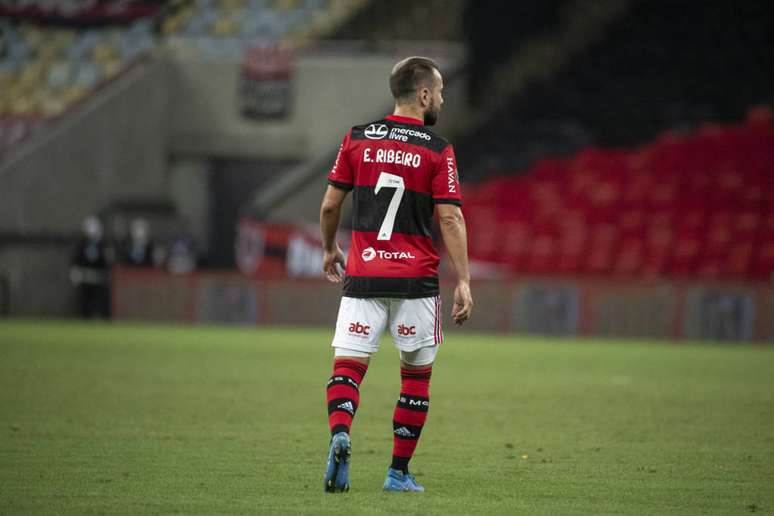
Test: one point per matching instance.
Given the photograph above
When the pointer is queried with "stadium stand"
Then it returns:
(661, 66)
(596, 198)
(48, 64)
(227, 28)
(380, 24)
(45, 70)
(684, 206)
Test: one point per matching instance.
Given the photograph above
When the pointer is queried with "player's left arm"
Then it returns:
(330, 216)
(448, 199)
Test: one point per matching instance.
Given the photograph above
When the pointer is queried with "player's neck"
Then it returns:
(408, 112)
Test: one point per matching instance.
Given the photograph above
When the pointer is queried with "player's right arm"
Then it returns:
(455, 239)
(330, 215)
(340, 182)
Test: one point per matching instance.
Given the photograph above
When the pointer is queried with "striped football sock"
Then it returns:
(410, 414)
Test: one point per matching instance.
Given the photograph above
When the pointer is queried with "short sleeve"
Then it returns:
(341, 175)
(446, 180)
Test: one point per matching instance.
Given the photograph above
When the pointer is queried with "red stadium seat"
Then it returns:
(738, 260)
(683, 206)
(542, 255)
(685, 256)
(630, 258)
(601, 246)
(763, 264)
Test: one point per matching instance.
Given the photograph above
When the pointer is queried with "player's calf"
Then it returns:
(410, 415)
(343, 393)
(343, 397)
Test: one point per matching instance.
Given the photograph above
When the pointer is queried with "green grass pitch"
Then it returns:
(119, 419)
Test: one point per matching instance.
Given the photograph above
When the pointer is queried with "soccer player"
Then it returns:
(399, 172)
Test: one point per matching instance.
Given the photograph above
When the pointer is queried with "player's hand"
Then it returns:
(463, 303)
(333, 264)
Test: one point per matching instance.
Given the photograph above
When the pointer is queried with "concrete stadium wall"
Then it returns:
(112, 147)
(572, 307)
(37, 280)
(329, 93)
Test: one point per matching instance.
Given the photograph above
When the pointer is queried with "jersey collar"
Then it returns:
(404, 119)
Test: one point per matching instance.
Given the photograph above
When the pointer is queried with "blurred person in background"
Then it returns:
(400, 173)
(180, 251)
(90, 270)
(137, 249)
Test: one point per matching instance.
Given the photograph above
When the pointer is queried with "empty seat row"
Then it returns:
(662, 210)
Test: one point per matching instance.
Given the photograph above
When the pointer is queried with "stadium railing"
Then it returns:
(571, 306)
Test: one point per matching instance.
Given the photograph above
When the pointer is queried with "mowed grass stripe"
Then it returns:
(130, 419)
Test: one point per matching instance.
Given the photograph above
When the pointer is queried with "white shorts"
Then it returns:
(415, 325)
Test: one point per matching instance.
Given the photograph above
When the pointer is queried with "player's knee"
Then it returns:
(406, 365)
(351, 354)
(421, 358)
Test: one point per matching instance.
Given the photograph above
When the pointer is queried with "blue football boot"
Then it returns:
(337, 470)
(397, 481)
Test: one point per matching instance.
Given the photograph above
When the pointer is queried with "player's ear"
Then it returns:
(424, 97)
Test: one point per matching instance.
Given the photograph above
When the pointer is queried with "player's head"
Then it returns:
(417, 82)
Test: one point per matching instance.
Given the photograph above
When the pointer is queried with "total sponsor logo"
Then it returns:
(406, 331)
(356, 328)
(370, 253)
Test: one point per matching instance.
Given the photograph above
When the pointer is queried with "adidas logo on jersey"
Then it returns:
(347, 405)
(404, 432)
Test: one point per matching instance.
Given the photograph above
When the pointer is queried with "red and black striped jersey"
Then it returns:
(397, 169)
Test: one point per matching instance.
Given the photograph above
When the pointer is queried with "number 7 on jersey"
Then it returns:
(387, 180)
